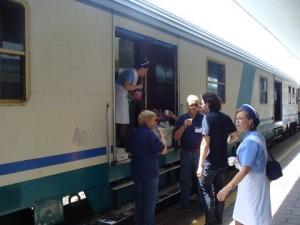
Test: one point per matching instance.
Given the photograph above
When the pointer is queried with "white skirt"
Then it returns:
(253, 205)
(122, 105)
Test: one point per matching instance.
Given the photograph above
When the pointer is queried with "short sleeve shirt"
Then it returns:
(145, 147)
(191, 137)
(217, 126)
(250, 153)
(126, 75)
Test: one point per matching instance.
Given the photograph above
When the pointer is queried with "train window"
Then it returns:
(263, 90)
(290, 95)
(12, 51)
(216, 79)
(293, 96)
(124, 53)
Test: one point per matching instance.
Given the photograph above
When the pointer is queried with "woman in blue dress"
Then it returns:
(252, 205)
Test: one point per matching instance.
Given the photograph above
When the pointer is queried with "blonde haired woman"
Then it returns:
(252, 205)
(145, 147)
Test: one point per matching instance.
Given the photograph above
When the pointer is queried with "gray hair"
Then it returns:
(145, 116)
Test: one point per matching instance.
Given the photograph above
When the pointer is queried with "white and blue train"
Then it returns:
(58, 62)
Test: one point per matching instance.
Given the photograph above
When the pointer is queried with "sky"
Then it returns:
(225, 19)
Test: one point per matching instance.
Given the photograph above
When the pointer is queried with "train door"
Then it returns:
(159, 92)
(277, 101)
(161, 88)
(298, 103)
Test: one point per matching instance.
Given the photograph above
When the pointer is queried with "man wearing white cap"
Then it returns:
(188, 131)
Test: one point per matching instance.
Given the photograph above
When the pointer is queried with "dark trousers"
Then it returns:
(145, 200)
(188, 168)
(212, 183)
(122, 134)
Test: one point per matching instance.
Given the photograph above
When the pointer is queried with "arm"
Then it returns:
(165, 149)
(233, 137)
(131, 87)
(163, 134)
(173, 116)
(179, 132)
(203, 153)
(233, 183)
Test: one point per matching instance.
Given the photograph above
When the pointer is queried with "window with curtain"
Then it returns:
(263, 90)
(293, 96)
(216, 79)
(12, 51)
(290, 95)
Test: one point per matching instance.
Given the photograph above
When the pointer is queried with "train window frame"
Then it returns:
(263, 90)
(293, 96)
(290, 95)
(17, 53)
(130, 60)
(219, 87)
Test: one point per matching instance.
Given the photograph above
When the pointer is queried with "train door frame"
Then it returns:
(277, 100)
(298, 103)
(146, 47)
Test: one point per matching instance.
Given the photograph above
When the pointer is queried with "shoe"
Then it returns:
(219, 222)
(194, 197)
(215, 222)
(179, 208)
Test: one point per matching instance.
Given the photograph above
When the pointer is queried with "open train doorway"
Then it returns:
(277, 101)
(159, 85)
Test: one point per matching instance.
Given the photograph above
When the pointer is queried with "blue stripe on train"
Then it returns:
(30, 164)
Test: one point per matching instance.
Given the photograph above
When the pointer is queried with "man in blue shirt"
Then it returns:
(127, 81)
(217, 127)
(188, 132)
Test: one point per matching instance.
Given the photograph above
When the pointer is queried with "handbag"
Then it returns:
(273, 168)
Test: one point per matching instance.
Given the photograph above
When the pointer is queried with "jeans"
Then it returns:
(212, 183)
(145, 200)
(188, 175)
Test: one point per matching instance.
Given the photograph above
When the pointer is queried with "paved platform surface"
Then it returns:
(285, 193)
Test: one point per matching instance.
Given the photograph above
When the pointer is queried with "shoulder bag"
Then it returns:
(273, 168)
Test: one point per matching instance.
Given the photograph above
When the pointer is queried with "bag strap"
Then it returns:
(271, 156)
(262, 143)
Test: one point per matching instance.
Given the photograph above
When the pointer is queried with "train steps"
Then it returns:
(124, 213)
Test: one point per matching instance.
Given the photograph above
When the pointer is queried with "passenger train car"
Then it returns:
(58, 65)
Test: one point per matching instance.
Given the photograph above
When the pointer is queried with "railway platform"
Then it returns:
(285, 193)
